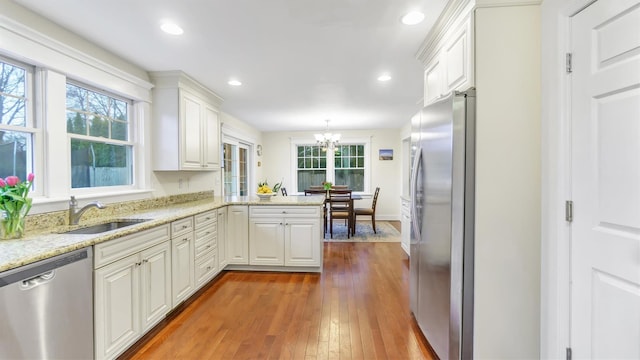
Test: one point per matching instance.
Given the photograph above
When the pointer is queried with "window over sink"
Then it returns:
(98, 125)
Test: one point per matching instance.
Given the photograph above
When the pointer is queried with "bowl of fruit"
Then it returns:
(266, 192)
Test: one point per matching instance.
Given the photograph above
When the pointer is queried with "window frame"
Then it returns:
(131, 142)
(32, 126)
(330, 170)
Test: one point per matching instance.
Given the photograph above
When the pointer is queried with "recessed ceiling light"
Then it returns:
(412, 18)
(171, 28)
(384, 77)
(234, 83)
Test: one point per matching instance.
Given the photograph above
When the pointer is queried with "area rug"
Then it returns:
(364, 232)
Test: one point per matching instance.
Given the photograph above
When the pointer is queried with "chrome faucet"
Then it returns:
(75, 214)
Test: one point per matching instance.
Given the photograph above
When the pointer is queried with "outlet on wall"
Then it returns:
(180, 183)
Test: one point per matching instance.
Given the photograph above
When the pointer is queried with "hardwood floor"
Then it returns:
(358, 308)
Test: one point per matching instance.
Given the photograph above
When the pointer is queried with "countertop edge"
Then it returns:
(33, 248)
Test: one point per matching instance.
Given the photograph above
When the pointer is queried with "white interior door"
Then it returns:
(605, 244)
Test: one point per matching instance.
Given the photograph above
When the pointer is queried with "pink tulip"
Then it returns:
(12, 180)
(2, 183)
(30, 177)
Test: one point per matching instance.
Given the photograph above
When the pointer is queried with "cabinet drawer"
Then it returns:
(288, 211)
(180, 227)
(206, 218)
(206, 239)
(110, 251)
(206, 268)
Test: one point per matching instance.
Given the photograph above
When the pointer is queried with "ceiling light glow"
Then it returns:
(384, 77)
(412, 18)
(234, 83)
(171, 28)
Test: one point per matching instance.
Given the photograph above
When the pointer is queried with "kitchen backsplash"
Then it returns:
(42, 222)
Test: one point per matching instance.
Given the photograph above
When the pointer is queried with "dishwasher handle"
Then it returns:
(36, 281)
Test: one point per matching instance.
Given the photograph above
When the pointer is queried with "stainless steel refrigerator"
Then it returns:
(441, 248)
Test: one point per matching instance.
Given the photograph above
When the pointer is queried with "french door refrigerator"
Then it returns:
(441, 247)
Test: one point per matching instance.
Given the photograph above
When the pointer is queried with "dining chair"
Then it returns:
(340, 187)
(341, 207)
(369, 211)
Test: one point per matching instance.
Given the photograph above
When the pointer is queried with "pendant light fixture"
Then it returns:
(328, 141)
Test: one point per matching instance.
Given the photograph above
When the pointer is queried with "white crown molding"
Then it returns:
(452, 15)
(173, 78)
(31, 35)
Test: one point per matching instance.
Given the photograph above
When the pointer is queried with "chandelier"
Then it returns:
(328, 141)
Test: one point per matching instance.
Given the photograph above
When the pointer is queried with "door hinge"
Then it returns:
(569, 62)
(568, 353)
(568, 210)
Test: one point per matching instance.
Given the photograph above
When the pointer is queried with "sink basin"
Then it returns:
(100, 228)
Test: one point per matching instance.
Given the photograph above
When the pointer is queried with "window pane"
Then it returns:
(14, 154)
(99, 127)
(306, 178)
(99, 164)
(99, 104)
(119, 110)
(119, 130)
(352, 177)
(76, 123)
(13, 94)
(76, 98)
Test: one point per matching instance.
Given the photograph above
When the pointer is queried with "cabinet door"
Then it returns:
(433, 81)
(206, 267)
(457, 58)
(405, 224)
(155, 284)
(303, 242)
(211, 140)
(182, 267)
(266, 241)
(117, 306)
(191, 110)
(238, 234)
(223, 260)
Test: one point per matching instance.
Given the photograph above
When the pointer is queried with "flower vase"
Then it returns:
(11, 225)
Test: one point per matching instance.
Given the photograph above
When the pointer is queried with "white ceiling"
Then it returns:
(300, 61)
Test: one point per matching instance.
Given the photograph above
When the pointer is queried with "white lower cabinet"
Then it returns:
(182, 260)
(285, 236)
(238, 234)
(223, 259)
(132, 288)
(206, 247)
(405, 225)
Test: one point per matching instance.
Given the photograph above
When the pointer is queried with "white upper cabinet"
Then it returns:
(185, 126)
(450, 67)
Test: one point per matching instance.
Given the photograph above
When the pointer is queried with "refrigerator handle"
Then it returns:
(414, 187)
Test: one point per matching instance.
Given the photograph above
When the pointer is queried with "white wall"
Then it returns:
(276, 165)
(507, 251)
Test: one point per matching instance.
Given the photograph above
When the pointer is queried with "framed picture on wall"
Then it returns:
(386, 154)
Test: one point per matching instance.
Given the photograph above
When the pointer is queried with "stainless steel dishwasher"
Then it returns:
(46, 308)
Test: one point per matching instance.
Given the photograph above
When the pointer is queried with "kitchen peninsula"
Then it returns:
(172, 248)
(49, 241)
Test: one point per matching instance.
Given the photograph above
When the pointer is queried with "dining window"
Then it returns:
(345, 165)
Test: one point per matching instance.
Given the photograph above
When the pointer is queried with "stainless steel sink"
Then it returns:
(112, 225)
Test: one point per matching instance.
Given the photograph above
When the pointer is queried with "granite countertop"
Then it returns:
(43, 245)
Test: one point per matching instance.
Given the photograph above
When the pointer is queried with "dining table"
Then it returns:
(352, 221)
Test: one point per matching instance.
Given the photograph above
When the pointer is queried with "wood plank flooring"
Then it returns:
(358, 308)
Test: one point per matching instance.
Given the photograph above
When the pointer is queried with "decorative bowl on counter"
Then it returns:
(266, 196)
